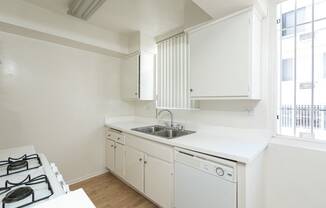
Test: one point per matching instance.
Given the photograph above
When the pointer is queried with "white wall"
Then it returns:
(295, 176)
(55, 98)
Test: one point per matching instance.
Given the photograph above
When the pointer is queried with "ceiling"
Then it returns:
(220, 8)
(152, 17)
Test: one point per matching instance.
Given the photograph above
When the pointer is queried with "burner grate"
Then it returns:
(17, 165)
(21, 191)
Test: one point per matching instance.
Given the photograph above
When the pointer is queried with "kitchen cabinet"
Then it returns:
(159, 181)
(115, 157)
(134, 168)
(119, 159)
(145, 165)
(137, 76)
(110, 154)
(149, 168)
(225, 57)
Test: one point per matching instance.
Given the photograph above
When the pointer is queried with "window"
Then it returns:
(287, 69)
(324, 64)
(172, 74)
(302, 68)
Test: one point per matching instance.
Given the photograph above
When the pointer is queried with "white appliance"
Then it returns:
(27, 178)
(204, 181)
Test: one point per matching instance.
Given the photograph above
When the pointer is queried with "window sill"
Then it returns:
(309, 144)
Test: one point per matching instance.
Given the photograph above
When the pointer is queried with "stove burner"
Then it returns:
(17, 165)
(20, 164)
(18, 194)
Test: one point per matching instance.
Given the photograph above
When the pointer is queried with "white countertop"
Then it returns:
(235, 144)
(76, 198)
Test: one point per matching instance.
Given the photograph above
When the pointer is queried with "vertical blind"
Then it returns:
(173, 73)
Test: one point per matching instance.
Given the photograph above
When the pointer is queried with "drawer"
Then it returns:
(115, 136)
(158, 150)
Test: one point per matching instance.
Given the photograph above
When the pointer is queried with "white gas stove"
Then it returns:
(27, 178)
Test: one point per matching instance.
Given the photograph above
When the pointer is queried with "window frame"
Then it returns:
(276, 76)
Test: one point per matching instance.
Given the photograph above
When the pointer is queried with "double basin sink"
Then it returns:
(162, 131)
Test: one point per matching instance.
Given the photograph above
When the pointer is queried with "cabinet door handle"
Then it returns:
(112, 145)
(115, 147)
(109, 135)
(118, 138)
(140, 159)
(145, 162)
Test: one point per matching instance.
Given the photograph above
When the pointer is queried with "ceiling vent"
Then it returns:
(84, 9)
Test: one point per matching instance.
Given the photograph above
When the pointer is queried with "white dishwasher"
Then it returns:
(203, 181)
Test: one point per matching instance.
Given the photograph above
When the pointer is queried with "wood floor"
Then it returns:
(106, 191)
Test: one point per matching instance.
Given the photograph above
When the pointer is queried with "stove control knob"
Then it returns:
(219, 171)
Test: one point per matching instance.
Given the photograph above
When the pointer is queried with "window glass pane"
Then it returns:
(303, 80)
(320, 9)
(304, 11)
(286, 85)
(324, 65)
(319, 80)
(287, 69)
(287, 14)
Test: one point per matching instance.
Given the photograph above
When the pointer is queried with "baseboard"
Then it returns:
(83, 178)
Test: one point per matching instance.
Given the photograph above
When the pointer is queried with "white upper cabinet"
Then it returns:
(137, 76)
(224, 57)
(129, 77)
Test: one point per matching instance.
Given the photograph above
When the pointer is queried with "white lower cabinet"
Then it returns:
(159, 181)
(119, 160)
(115, 153)
(145, 165)
(134, 168)
(110, 154)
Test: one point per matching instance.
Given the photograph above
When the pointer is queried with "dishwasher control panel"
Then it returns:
(218, 167)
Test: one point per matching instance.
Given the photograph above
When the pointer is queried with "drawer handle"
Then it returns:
(145, 162)
(118, 138)
(140, 159)
(109, 135)
(112, 145)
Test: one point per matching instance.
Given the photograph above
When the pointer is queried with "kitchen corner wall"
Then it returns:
(56, 97)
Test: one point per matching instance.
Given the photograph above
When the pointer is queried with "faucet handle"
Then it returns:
(179, 127)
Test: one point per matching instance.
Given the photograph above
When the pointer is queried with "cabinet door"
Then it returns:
(159, 181)
(220, 58)
(110, 154)
(134, 168)
(146, 78)
(119, 160)
(130, 77)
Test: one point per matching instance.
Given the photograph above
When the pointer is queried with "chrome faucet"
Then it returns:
(171, 116)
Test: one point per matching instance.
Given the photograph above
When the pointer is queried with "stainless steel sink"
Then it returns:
(162, 131)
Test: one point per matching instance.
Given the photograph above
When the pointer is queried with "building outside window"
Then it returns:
(324, 64)
(302, 68)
